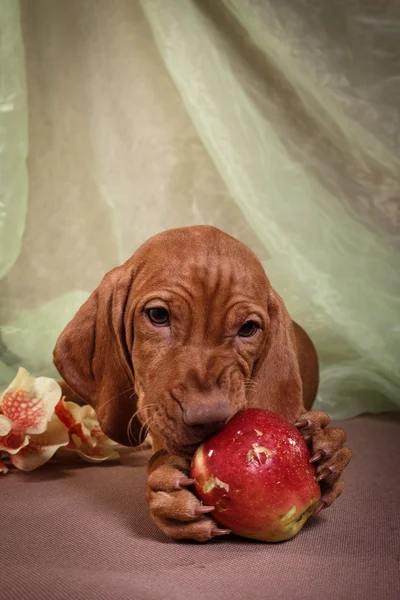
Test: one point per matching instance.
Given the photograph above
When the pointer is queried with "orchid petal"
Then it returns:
(5, 425)
(29, 402)
(103, 450)
(97, 454)
(89, 418)
(70, 414)
(13, 442)
(42, 446)
(3, 468)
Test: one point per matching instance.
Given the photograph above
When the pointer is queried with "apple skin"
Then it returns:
(256, 472)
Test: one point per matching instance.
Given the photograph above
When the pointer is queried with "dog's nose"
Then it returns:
(206, 417)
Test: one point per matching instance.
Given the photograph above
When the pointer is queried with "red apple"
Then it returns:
(256, 472)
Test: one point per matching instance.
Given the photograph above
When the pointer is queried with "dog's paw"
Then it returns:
(173, 507)
(329, 454)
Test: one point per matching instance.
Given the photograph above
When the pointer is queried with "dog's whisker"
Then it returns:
(143, 427)
(132, 440)
(120, 394)
(142, 408)
(136, 414)
(153, 428)
(128, 430)
(150, 426)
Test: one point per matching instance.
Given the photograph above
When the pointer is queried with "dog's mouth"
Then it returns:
(189, 449)
(184, 450)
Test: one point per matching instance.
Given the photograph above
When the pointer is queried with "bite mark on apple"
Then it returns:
(257, 451)
(293, 525)
(213, 482)
(290, 513)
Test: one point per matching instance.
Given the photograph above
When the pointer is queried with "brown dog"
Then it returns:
(177, 340)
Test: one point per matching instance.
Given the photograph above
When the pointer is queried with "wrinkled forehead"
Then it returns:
(204, 265)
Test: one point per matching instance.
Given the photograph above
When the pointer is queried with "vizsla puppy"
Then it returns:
(177, 340)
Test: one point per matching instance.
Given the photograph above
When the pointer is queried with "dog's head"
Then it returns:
(179, 338)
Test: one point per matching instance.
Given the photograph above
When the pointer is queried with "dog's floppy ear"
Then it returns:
(277, 373)
(92, 357)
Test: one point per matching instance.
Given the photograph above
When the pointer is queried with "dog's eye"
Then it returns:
(158, 316)
(248, 329)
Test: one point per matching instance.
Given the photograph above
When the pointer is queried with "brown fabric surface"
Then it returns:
(75, 530)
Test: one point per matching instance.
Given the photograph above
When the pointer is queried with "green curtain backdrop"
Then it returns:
(277, 121)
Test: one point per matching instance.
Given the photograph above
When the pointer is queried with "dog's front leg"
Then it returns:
(330, 455)
(172, 506)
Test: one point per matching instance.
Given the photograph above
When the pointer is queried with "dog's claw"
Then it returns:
(320, 507)
(185, 481)
(216, 531)
(327, 453)
(325, 473)
(317, 456)
(201, 510)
